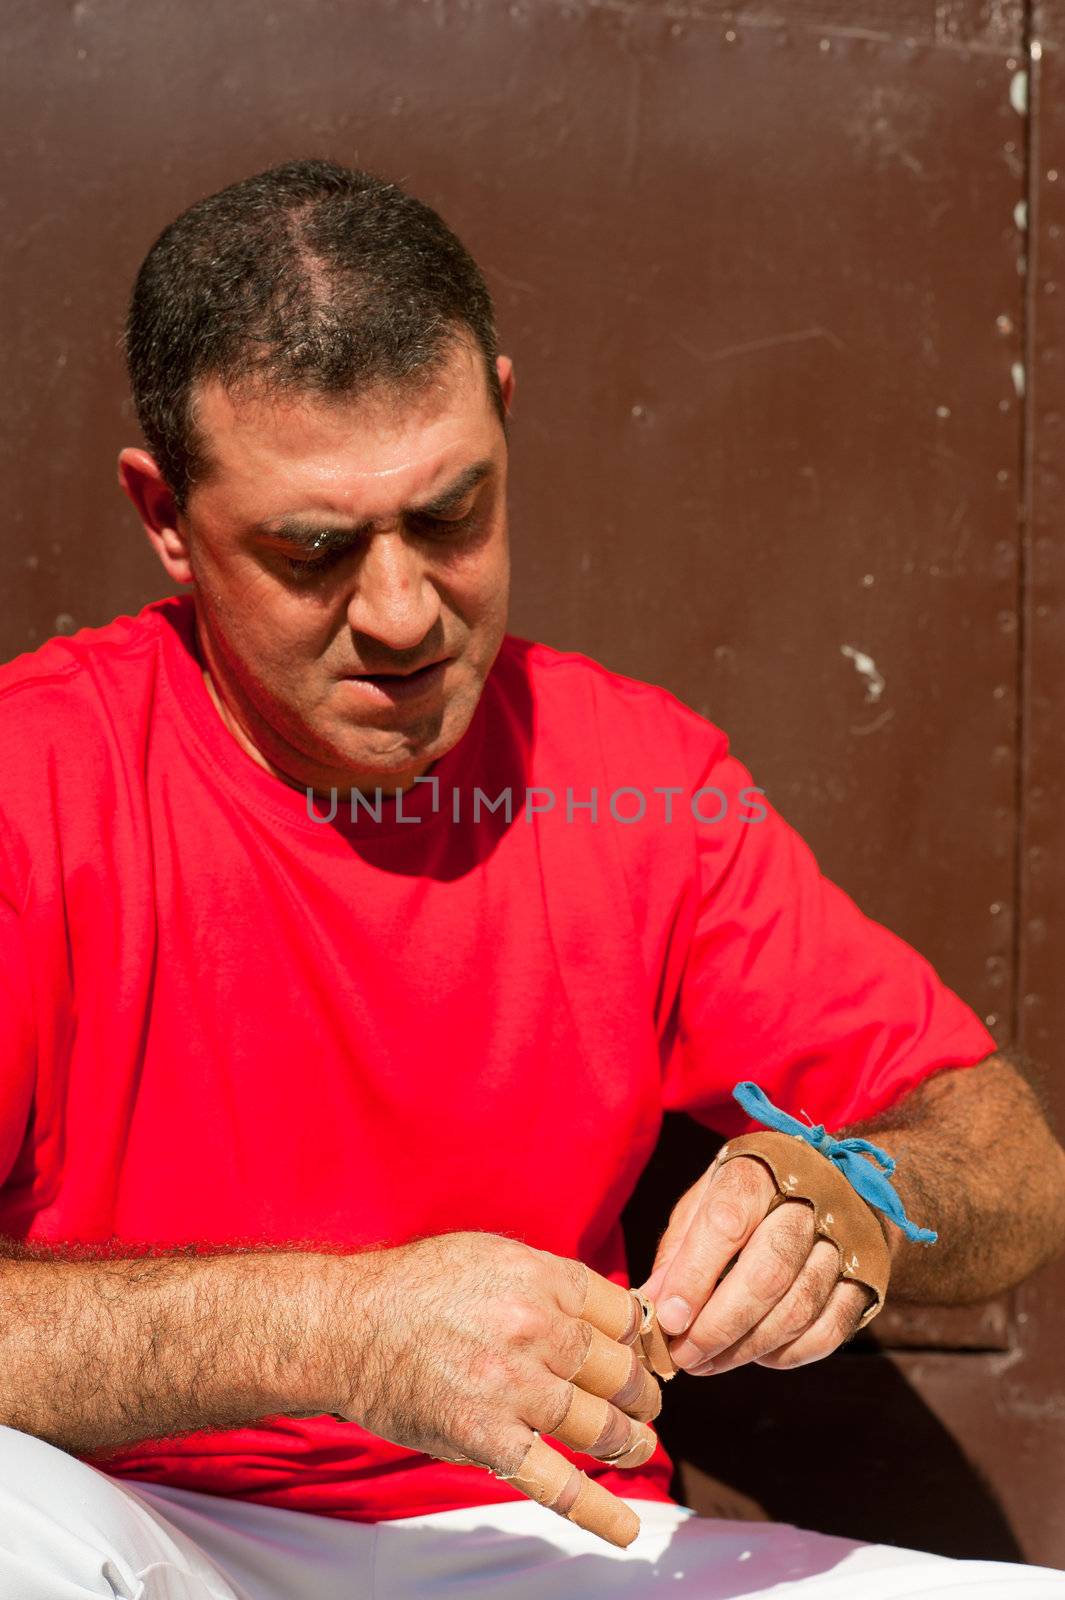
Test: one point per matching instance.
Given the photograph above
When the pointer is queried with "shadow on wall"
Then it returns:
(843, 1446)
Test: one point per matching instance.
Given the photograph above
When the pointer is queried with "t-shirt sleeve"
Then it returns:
(18, 1049)
(788, 983)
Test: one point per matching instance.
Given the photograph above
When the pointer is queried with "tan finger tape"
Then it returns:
(588, 1419)
(641, 1448)
(653, 1345)
(648, 1403)
(609, 1307)
(544, 1476)
(606, 1368)
(543, 1473)
(638, 1392)
(601, 1512)
(585, 1421)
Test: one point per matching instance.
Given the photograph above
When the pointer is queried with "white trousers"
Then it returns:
(68, 1532)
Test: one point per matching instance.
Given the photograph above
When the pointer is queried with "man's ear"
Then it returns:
(507, 380)
(153, 502)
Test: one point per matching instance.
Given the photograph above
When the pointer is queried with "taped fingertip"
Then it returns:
(601, 1512)
(655, 1354)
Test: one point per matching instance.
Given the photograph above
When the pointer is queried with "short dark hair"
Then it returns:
(309, 277)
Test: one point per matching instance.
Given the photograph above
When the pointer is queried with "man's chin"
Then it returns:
(370, 757)
(388, 769)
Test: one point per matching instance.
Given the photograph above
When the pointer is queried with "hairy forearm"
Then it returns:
(95, 1354)
(977, 1162)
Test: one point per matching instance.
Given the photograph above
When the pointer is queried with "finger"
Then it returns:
(593, 1425)
(734, 1202)
(837, 1322)
(576, 1351)
(552, 1481)
(797, 1311)
(612, 1309)
(585, 1293)
(670, 1242)
(653, 1349)
(609, 1370)
(765, 1270)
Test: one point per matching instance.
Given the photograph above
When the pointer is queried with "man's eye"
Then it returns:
(442, 527)
(307, 566)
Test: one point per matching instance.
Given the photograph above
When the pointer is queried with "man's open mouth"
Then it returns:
(399, 685)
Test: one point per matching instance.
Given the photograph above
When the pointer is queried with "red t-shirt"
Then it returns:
(224, 1020)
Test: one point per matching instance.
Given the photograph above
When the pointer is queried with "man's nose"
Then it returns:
(394, 601)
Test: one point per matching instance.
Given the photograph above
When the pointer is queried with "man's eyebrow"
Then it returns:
(310, 532)
(455, 492)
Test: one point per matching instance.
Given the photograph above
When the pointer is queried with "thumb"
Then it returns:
(671, 1241)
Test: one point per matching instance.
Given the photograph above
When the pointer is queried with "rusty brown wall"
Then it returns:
(791, 382)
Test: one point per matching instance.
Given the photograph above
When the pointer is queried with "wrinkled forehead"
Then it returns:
(352, 452)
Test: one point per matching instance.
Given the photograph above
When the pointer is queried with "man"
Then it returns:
(352, 951)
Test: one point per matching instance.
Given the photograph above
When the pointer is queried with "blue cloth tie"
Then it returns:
(846, 1154)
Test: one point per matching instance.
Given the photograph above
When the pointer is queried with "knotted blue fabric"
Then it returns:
(846, 1154)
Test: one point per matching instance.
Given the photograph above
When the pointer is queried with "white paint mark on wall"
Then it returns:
(1017, 374)
(1020, 215)
(1019, 92)
(866, 668)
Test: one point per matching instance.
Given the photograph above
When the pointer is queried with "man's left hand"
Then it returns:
(783, 1302)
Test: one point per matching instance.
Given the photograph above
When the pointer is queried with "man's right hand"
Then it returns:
(466, 1346)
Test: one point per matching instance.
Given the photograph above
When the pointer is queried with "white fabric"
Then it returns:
(68, 1532)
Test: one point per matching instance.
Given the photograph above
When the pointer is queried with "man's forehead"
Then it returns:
(338, 450)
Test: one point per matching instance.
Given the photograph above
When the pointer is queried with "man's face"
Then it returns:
(351, 569)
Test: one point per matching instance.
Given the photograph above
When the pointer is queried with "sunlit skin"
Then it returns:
(369, 582)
